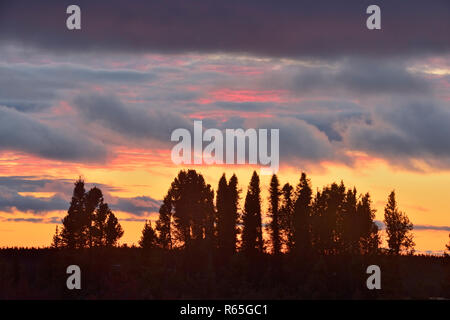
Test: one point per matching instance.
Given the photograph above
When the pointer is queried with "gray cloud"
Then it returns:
(11, 187)
(51, 220)
(138, 206)
(259, 27)
(130, 121)
(10, 200)
(34, 87)
(355, 75)
(382, 226)
(404, 131)
(22, 132)
(428, 227)
(300, 142)
(32, 220)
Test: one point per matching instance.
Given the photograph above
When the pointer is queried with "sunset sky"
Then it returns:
(371, 108)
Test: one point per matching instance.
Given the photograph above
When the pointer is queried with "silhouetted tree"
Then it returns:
(99, 225)
(252, 232)
(164, 223)
(148, 239)
(56, 243)
(274, 226)
(193, 209)
(89, 221)
(286, 217)
(114, 230)
(233, 215)
(327, 213)
(222, 208)
(301, 216)
(227, 201)
(73, 222)
(93, 199)
(398, 228)
(350, 224)
(369, 237)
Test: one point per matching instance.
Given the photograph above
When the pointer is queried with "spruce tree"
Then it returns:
(164, 223)
(301, 216)
(222, 207)
(148, 239)
(274, 227)
(114, 230)
(73, 224)
(252, 232)
(286, 217)
(398, 228)
(233, 216)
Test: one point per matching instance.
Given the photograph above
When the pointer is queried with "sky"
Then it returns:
(369, 107)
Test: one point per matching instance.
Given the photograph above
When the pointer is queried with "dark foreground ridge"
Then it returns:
(135, 273)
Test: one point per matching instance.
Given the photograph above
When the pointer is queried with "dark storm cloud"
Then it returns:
(260, 27)
(130, 121)
(22, 132)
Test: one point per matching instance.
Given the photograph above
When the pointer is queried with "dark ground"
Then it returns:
(131, 273)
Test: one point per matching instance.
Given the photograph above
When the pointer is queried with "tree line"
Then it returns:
(334, 220)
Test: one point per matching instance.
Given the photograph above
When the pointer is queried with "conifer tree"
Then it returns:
(89, 221)
(164, 223)
(286, 217)
(148, 239)
(227, 202)
(114, 230)
(233, 216)
(193, 209)
(252, 233)
(274, 227)
(56, 243)
(73, 224)
(301, 216)
(398, 228)
(369, 237)
(222, 212)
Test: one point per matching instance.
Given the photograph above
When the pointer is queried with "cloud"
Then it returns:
(299, 140)
(382, 226)
(12, 187)
(51, 220)
(404, 131)
(130, 121)
(10, 200)
(258, 27)
(428, 227)
(137, 206)
(28, 87)
(32, 220)
(355, 75)
(22, 132)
